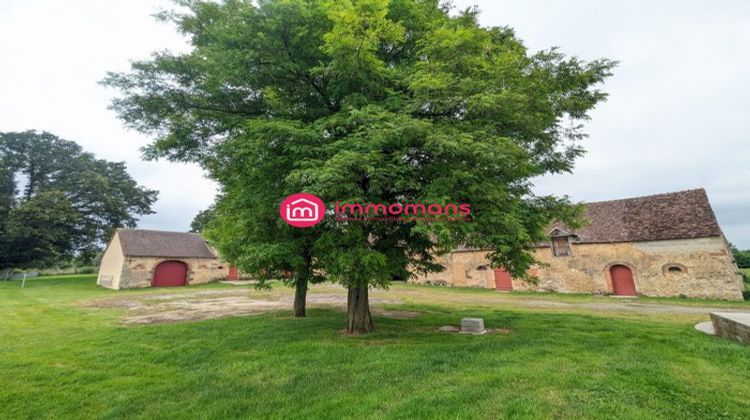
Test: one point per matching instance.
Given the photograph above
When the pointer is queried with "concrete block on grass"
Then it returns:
(472, 326)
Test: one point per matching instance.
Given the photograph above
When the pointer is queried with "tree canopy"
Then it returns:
(741, 257)
(58, 201)
(365, 101)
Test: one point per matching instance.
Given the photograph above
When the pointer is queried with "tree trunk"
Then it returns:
(300, 296)
(300, 284)
(359, 320)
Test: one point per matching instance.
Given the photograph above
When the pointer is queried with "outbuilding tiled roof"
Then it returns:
(156, 243)
(676, 215)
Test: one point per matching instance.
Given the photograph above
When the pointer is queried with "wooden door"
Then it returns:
(503, 281)
(622, 281)
(232, 273)
(170, 274)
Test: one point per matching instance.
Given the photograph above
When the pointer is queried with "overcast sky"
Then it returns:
(676, 117)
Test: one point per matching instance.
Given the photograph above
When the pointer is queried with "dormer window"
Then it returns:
(561, 243)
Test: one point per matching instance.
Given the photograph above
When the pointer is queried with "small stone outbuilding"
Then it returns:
(660, 245)
(144, 258)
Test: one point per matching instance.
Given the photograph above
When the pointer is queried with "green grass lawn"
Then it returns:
(61, 360)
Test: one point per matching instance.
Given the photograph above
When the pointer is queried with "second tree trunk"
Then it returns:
(359, 320)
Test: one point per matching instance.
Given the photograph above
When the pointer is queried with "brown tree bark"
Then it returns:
(300, 296)
(301, 283)
(359, 320)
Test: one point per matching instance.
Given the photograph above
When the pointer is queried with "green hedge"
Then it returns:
(58, 271)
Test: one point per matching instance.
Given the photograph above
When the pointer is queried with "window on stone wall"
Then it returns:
(561, 246)
(673, 269)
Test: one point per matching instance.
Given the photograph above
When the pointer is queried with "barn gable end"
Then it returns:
(110, 268)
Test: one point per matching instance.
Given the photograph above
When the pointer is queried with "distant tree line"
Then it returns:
(58, 202)
(741, 257)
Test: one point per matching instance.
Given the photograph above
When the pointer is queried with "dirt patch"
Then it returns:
(394, 314)
(196, 306)
(449, 328)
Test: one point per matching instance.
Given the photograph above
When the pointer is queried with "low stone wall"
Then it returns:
(707, 269)
(735, 326)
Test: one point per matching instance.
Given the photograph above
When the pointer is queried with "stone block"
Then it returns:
(472, 326)
(732, 325)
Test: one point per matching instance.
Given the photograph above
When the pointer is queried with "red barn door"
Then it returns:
(503, 281)
(169, 274)
(232, 273)
(622, 281)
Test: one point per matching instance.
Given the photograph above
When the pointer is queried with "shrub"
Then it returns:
(57, 271)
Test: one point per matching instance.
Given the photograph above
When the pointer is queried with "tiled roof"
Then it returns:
(676, 215)
(155, 243)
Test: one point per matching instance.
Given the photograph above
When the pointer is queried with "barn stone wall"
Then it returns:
(708, 269)
(139, 271)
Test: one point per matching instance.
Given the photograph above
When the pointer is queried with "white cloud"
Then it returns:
(674, 120)
(54, 53)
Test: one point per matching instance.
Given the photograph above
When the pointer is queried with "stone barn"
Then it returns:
(146, 258)
(660, 245)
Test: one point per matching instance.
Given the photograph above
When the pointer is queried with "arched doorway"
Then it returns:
(169, 274)
(622, 280)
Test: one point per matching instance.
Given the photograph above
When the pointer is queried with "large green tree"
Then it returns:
(254, 170)
(203, 220)
(398, 101)
(741, 257)
(41, 231)
(42, 174)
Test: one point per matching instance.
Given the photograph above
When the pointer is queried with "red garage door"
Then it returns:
(622, 281)
(170, 273)
(503, 281)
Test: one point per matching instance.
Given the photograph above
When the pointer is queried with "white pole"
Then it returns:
(23, 283)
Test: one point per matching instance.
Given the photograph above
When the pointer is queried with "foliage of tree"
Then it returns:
(741, 257)
(41, 230)
(255, 176)
(366, 101)
(203, 220)
(57, 180)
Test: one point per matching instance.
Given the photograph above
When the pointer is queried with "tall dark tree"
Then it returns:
(102, 194)
(7, 198)
(741, 258)
(203, 220)
(255, 175)
(402, 102)
(41, 231)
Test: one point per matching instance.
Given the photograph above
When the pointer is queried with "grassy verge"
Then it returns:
(60, 360)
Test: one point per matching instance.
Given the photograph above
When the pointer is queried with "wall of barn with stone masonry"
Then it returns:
(709, 270)
(139, 271)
